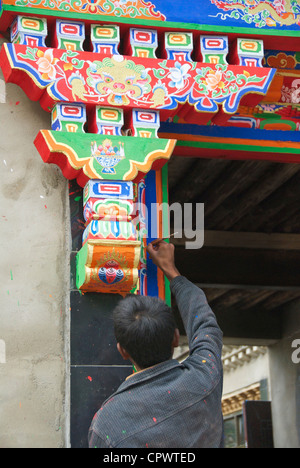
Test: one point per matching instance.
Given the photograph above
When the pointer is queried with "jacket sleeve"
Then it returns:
(204, 334)
(94, 440)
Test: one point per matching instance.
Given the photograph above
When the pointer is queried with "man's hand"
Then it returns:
(163, 255)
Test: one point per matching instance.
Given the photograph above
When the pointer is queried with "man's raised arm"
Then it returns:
(202, 329)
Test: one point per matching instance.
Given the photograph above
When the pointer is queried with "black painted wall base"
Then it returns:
(97, 369)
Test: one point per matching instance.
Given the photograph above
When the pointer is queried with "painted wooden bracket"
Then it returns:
(108, 266)
(214, 49)
(106, 200)
(249, 52)
(145, 123)
(179, 46)
(86, 156)
(194, 91)
(105, 39)
(107, 121)
(29, 31)
(68, 117)
(143, 42)
(69, 35)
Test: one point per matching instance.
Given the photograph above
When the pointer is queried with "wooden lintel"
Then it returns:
(255, 326)
(247, 240)
(259, 326)
(259, 268)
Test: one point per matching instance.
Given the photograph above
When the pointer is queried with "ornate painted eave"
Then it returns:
(79, 155)
(196, 90)
(139, 9)
(273, 19)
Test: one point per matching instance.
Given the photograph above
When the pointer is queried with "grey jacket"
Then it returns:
(171, 405)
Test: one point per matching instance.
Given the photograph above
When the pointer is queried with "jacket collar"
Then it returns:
(148, 374)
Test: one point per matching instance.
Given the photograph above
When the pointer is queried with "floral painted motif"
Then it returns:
(221, 85)
(46, 64)
(290, 93)
(92, 6)
(280, 6)
(178, 75)
(120, 8)
(214, 80)
(261, 13)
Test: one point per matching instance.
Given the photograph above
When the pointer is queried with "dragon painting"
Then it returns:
(119, 79)
(262, 13)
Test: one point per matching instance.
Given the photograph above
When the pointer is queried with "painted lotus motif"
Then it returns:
(179, 75)
(46, 64)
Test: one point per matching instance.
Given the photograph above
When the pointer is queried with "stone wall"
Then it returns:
(34, 279)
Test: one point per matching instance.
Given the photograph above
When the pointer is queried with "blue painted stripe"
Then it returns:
(152, 283)
(228, 132)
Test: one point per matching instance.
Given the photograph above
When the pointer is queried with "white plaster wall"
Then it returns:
(34, 284)
(285, 384)
(246, 375)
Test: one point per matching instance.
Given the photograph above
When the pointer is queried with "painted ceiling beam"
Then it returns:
(261, 17)
(196, 90)
(232, 143)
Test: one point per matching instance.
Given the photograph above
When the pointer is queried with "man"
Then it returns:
(165, 404)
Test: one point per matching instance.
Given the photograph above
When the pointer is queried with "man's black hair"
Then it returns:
(144, 327)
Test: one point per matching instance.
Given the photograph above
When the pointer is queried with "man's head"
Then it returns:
(145, 330)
